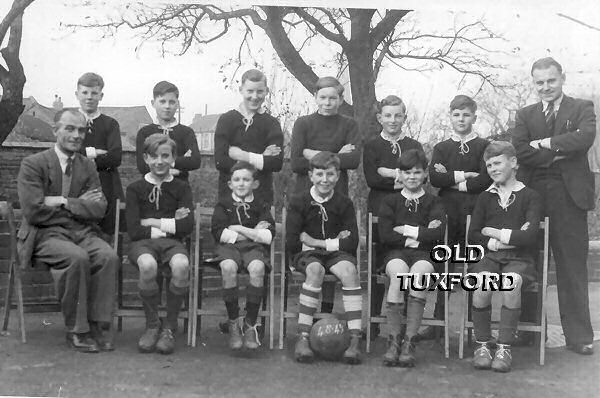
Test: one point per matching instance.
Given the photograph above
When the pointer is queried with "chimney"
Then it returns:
(57, 105)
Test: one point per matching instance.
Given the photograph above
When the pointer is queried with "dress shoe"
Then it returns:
(583, 349)
(102, 336)
(82, 342)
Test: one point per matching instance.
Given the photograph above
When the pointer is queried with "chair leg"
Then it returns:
(463, 321)
(282, 303)
(8, 297)
(271, 308)
(120, 297)
(446, 324)
(20, 305)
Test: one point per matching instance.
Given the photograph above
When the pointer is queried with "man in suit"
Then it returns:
(61, 198)
(552, 138)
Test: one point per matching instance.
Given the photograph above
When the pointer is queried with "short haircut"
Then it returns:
(545, 63)
(152, 142)
(497, 148)
(462, 102)
(244, 166)
(254, 75)
(163, 88)
(329, 81)
(391, 100)
(91, 79)
(58, 115)
(412, 158)
(324, 160)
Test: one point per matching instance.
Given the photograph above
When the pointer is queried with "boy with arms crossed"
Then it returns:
(244, 228)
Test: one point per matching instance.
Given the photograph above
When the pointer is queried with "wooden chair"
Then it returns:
(205, 262)
(287, 274)
(539, 289)
(10, 219)
(135, 310)
(383, 279)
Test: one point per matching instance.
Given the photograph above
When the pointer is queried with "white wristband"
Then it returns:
(90, 152)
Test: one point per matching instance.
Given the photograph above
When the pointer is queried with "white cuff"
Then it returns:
(332, 245)
(493, 244)
(546, 143)
(411, 232)
(398, 178)
(462, 186)
(156, 233)
(228, 236)
(167, 225)
(256, 160)
(410, 242)
(263, 236)
(90, 152)
(459, 176)
(505, 234)
(305, 247)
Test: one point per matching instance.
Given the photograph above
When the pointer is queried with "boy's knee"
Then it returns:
(347, 273)
(256, 269)
(513, 280)
(180, 266)
(147, 266)
(315, 271)
(395, 267)
(421, 267)
(228, 267)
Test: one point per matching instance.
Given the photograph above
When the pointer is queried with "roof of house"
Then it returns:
(205, 123)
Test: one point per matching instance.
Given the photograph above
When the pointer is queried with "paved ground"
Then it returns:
(44, 367)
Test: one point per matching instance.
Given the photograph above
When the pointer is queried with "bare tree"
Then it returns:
(363, 39)
(12, 76)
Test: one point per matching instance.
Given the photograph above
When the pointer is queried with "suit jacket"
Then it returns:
(573, 135)
(40, 175)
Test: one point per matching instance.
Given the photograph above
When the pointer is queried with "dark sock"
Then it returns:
(175, 297)
(150, 301)
(326, 307)
(230, 296)
(482, 318)
(377, 298)
(253, 298)
(509, 319)
(414, 315)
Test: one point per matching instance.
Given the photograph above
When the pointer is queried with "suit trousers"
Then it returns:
(569, 242)
(83, 267)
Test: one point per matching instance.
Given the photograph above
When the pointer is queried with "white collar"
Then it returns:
(62, 157)
(471, 136)
(247, 199)
(90, 116)
(167, 126)
(390, 138)
(495, 188)
(149, 177)
(556, 103)
(412, 195)
(317, 198)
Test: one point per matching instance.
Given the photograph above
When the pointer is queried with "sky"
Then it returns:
(54, 57)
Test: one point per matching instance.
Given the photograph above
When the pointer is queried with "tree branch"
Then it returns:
(326, 33)
(18, 7)
(386, 26)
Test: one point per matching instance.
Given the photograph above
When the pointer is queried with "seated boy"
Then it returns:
(244, 228)
(322, 236)
(505, 220)
(159, 216)
(411, 223)
(165, 100)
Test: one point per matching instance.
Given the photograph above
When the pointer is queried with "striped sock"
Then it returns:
(308, 304)
(352, 298)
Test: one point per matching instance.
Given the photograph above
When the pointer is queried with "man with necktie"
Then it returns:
(552, 138)
(62, 201)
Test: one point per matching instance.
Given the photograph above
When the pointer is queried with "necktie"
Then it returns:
(69, 167)
(550, 117)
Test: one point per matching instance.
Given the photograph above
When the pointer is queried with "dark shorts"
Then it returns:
(507, 261)
(410, 256)
(323, 257)
(243, 253)
(162, 249)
